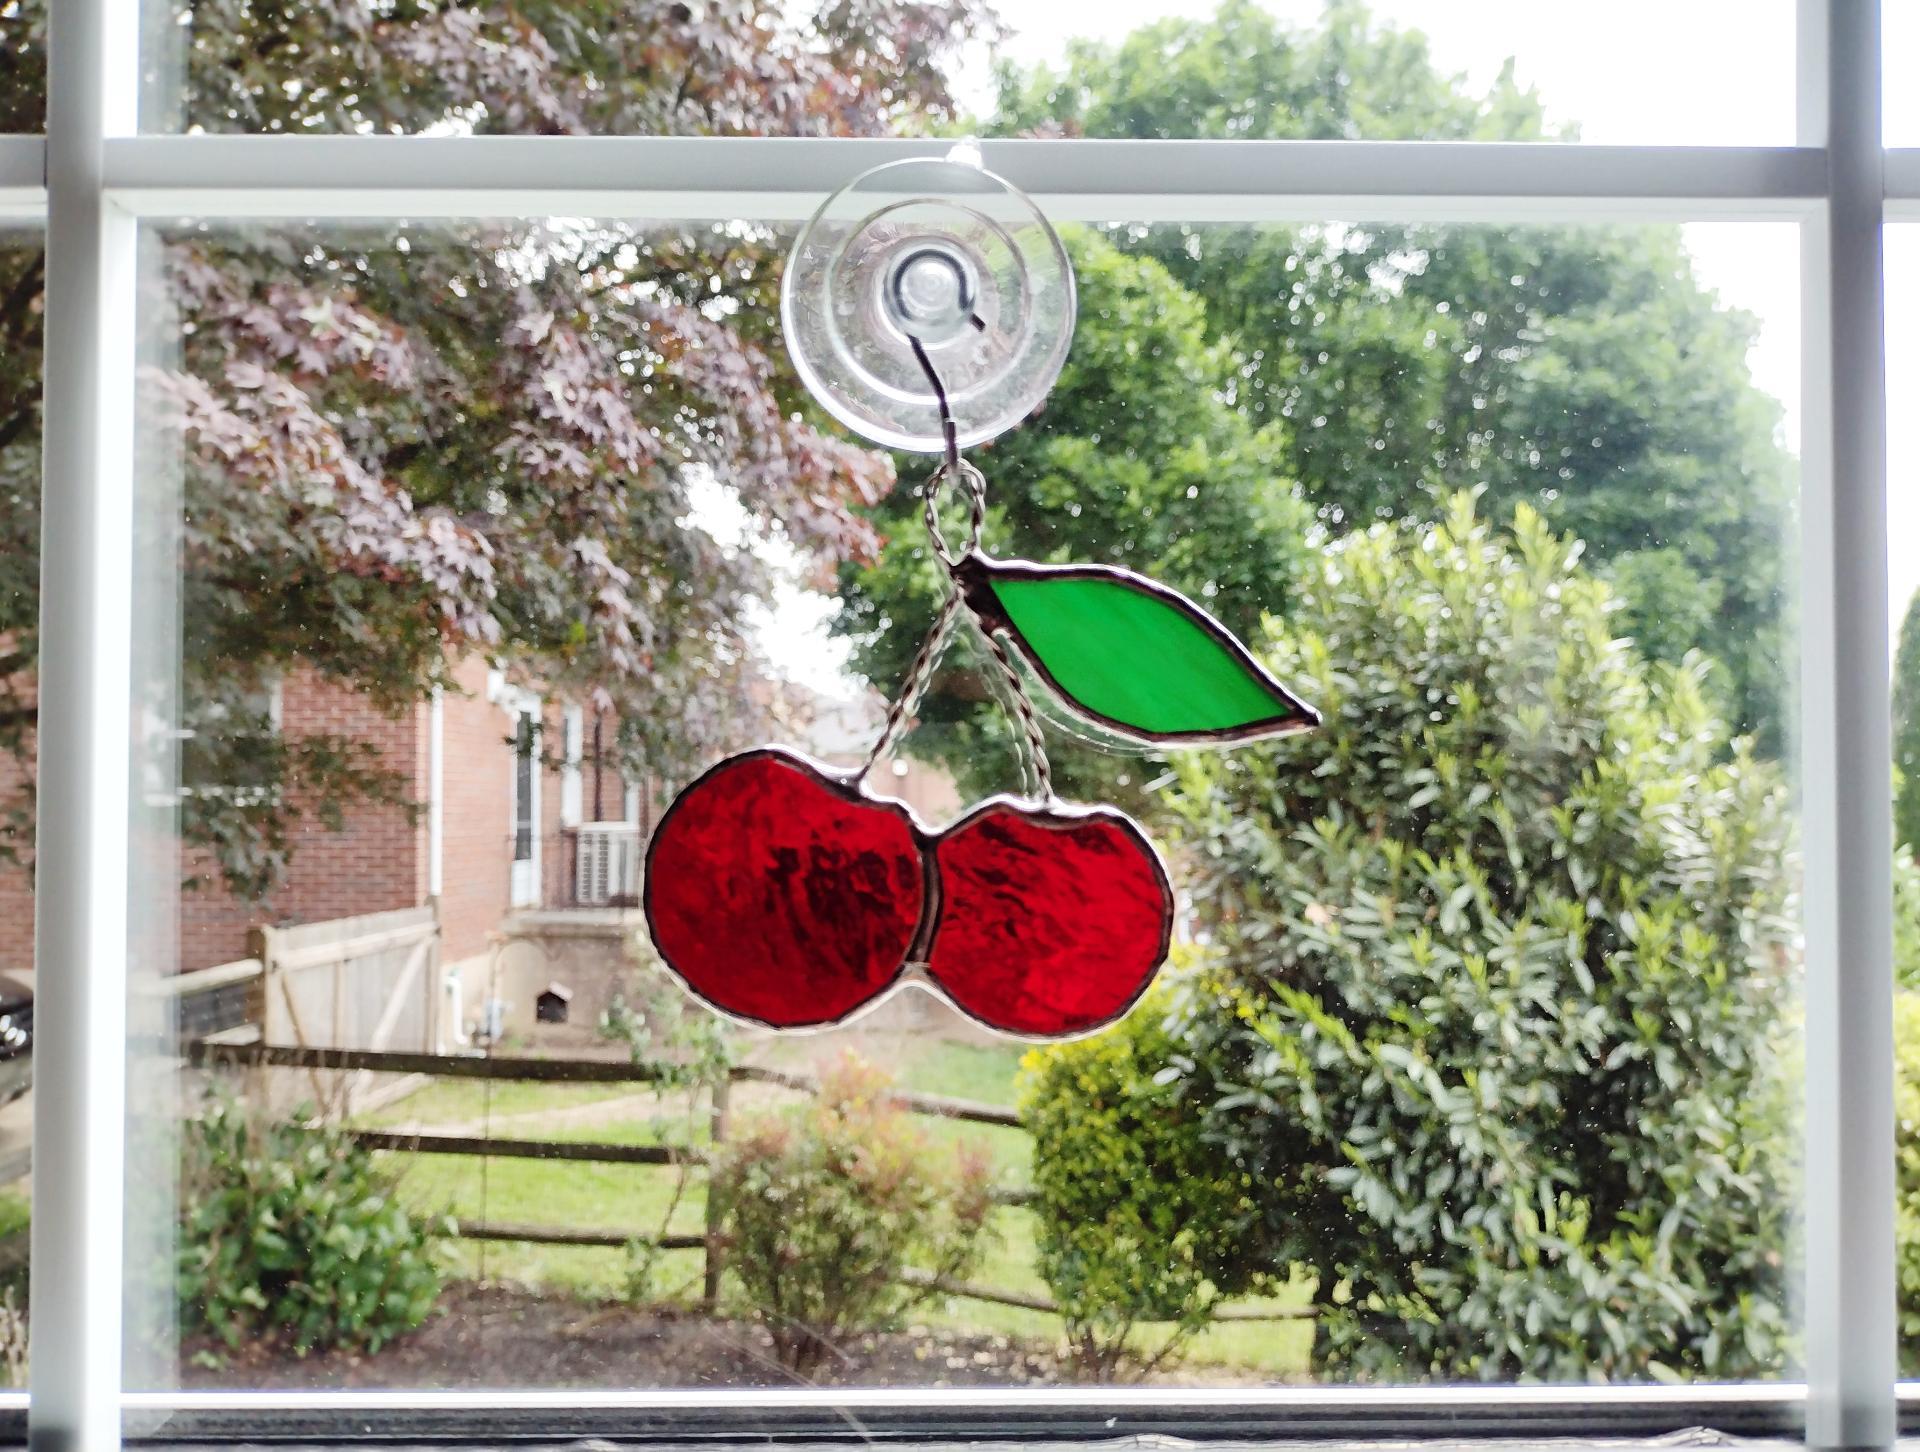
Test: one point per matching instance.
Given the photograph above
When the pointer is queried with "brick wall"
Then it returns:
(379, 860)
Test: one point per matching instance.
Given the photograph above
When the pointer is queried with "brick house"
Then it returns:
(501, 831)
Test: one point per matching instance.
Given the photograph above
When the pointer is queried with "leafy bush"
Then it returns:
(1906, 730)
(1505, 951)
(661, 1026)
(1136, 1220)
(1906, 919)
(13, 1339)
(1906, 1108)
(291, 1228)
(822, 1211)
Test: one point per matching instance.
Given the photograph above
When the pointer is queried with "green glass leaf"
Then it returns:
(1130, 654)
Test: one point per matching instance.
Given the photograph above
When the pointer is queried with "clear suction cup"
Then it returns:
(939, 252)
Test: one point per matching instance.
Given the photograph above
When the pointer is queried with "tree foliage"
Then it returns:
(1906, 1106)
(1582, 370)
(552, 67)
(406, 444)
(1906, 919)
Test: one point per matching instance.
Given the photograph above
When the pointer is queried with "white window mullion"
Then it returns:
(1846, 746)
(23, 178)
(85, 688)
(785, 178)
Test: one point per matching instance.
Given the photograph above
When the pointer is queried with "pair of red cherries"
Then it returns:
(782, 894)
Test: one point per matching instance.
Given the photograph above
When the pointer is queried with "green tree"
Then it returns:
(1906, 730)
(1502, 951)
(1137, 458)
(1582, 370)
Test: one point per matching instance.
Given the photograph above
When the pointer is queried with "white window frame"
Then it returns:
(93, 178)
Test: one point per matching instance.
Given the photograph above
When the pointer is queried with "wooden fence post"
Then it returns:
(717, 1132)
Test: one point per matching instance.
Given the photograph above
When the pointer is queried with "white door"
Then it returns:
(525, 888)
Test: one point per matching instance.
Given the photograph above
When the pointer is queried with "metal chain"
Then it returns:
(1032, 743)
(965, 477)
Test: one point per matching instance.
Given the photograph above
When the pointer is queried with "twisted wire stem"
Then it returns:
(919, 677)
(1034, 742)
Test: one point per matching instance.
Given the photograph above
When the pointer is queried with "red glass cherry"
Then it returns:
(781, 894)
(1052, 921)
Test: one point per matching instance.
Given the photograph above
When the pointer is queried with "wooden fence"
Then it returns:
(205, 1054)
(372, 979)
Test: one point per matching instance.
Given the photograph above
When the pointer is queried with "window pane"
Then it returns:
(1485, 994)
(21, 265)
(1178, 68)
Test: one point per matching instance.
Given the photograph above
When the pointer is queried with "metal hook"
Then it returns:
(948, 429)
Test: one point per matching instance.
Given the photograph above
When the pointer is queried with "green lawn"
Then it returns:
(633, 1199)
(637, 1198)
(451, 1100)
(927, 1065)
(625, 1198)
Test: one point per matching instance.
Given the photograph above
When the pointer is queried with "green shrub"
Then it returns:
(1906, 1109)
(292, 1228)
(665, 1028)
(1506, 952)
(824, 1209)
(1906, 919)
(1136, 1221)
(1906, 729)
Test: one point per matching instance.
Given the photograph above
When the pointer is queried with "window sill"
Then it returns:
(1623, 1418)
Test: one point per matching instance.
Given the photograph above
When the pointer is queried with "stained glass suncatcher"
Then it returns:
(783, 895)
(780, 890)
